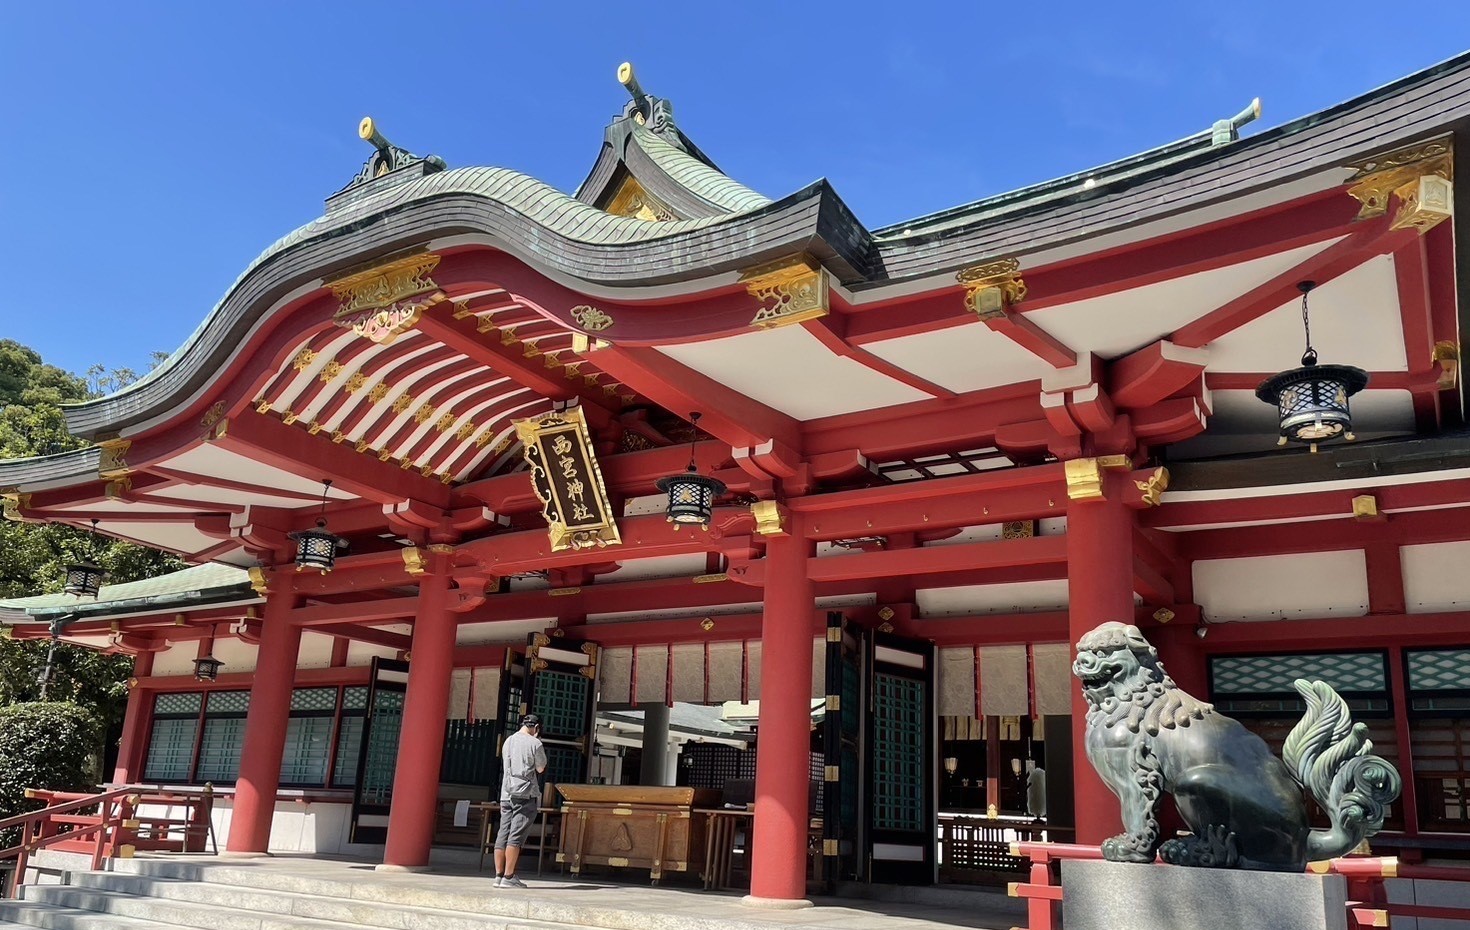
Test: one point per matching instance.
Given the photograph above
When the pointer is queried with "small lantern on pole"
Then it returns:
(317, 548)
(691, 495)
(1312, 401)
(206, 668)
(84, 579)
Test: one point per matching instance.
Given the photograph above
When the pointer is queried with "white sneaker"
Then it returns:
(498, 882)
(510, 881)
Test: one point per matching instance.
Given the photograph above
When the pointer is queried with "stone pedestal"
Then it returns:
(1099, 895)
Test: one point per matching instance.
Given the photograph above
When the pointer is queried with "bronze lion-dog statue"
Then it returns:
(1244, 807)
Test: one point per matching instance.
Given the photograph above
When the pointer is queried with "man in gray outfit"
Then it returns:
(522, 759)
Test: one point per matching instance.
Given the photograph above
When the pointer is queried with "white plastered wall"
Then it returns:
(1316, 584)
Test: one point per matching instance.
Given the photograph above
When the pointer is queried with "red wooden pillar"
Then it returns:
(265, 723)
(1099, 588)
(132, 749)
(1398, 684)
(783, 739)
(415, 802)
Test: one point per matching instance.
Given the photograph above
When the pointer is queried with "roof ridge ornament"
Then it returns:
(652, 113)
(388, 157)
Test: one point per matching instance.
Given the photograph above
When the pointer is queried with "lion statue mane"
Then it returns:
(1244, 807)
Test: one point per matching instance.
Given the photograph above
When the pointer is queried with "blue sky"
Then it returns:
(153, 149)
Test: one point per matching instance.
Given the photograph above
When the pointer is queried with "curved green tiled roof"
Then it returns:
(707, 183)
(187, 586)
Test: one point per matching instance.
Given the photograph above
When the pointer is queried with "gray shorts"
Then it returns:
(516, 817)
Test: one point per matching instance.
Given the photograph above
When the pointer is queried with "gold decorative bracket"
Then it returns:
(791, 290)
(1420, 176)
(1447, 357)
(1365, 509)
(13, 504)
(992, 287)
(114, 463)
(413, 561)
(770, 518)
(1154, 486)
(591, 318)
(1085, 476)
(258, 581)
(385, 302)
(1018, 529)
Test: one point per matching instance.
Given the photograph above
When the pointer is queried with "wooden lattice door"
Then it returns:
(377, 759)
(842, 732)
(901, 828)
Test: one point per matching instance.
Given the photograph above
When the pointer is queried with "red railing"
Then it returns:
(1367, 906)
(108, 825)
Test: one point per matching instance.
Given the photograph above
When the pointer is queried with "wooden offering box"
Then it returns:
(634, 827)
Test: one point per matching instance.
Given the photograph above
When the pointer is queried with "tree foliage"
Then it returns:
(49, 745)
(33, 556)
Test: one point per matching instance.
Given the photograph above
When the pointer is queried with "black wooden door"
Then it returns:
(900, 833)
(378, 756)
(842, 732)
(557, 685)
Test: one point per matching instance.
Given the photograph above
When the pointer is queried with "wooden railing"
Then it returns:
(977, 849)
(1367, 906)
(110, 824)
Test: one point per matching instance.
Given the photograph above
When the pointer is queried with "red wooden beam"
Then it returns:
(1336, 503)
(1039, 550)
(1451, 524)
(1448, 628)
(463, 336)
(263, 438)
(1371, 238)
(367, 634)
(1153, 373)
(905, 430)
(1411, 274)
(1031, 337)
(371, 611)
(727, 414)
(825, 330)
(1234, 240)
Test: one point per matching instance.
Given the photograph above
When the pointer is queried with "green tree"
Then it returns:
(33, 556)
(48, 745)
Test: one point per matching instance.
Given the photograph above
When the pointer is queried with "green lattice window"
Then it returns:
(171, 704)
(171, 750)
(349, 747)
(563, 765)
(469, 753)
(382, 749)
(898, 753)
(355, 698)
(560, 700)
(1263, 684)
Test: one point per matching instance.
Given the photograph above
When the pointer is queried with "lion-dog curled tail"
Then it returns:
(1329, 755)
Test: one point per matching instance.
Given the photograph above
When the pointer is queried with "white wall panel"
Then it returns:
(1317, 584)
(1435, 577)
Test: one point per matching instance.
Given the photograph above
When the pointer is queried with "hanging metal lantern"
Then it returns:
(691, 495)
(317, 548)
(207, 668)
(1312, 401)
(84, 579)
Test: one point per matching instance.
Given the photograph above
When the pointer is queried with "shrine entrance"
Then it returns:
(378, 758)
(878, 801)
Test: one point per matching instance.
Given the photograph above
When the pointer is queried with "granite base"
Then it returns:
(1098, 895)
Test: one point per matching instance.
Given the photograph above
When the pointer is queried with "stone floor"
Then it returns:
(297, 893)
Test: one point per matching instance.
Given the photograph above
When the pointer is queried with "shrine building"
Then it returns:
(729, 487)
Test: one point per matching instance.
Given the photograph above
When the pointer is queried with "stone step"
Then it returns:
(533, 906)
(318, 907)
(158, 912)
(52, 917)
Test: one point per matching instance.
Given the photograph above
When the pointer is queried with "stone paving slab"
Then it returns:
(584, 901)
